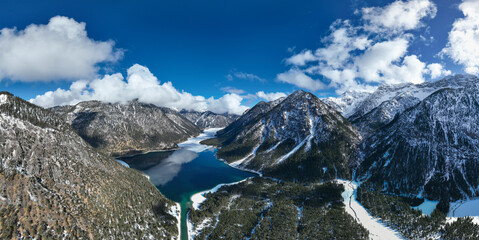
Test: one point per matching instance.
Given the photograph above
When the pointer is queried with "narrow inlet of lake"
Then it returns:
(181, 173)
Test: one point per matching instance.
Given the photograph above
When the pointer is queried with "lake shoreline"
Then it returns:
(188, 172)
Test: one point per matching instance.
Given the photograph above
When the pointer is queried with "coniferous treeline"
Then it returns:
(396, 212)
(266, 209)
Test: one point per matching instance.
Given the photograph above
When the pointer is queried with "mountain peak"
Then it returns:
(119, 128)
(437, 139)
(291, 137)
(299, 93)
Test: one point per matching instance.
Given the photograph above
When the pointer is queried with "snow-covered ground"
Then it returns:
(3, 98)
(427, 207)
(198, 198)
(192, 231)
(464, 208)
(193, 144)
(377, 229)
(176, 211)
(241, 168)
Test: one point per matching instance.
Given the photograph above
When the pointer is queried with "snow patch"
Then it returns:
(176, 212)
(193, 231)
(377, 229)
(193, 144)
(295, 149)
(3, 99)
(251, 155)
(453, 219)
(198, 198)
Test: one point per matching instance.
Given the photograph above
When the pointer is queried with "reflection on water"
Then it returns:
(180, 174)
(146, 161)
(170, 167)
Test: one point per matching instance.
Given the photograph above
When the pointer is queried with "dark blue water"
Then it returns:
(182, 173)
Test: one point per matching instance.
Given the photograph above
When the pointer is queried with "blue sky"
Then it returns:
(209, 49)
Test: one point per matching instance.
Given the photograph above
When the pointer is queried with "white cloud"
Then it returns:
(243, 75)
(229, 103)
(340, 43)
(379, 58)
(270, 96)
(232, 90)
(298, 78)
(169, 168)
(140, 84)
(301, 59)
(463, 45)
(399, 15)
(361, 57)
(436, 70)
(59, 50)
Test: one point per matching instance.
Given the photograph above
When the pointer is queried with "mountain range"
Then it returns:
(417, 140)
(298, 137)
(127, 128)
(430, 149)
(413, 140)
(209, 119)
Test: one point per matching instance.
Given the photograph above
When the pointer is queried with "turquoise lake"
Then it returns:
(181, 173)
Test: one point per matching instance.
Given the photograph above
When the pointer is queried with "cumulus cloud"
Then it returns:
(463, 44)
(302, 58)
(399, 15)
(60, 49)
(379, 58)
(300, 79)
(361, 57)
(270, 96)
(229, 103)
(139, 84)
(436, 70)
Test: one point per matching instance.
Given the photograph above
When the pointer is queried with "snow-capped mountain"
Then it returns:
(430, 149)
(209, 119)
(347, 102)
(380, 107)
(53, 185)
(297, 137)
(248, 116)
(116, 128)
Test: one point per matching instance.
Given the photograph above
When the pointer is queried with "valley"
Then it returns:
(182, 173)
(239, 120)
(293, 168)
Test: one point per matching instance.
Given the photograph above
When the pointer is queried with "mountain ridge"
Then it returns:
(54, 185)
(442, 153)
(209, 119)
(276, 135)
(133, 127)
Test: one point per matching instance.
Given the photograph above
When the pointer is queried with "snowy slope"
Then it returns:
(431, 149)
(291, 134)
(346, 103)
(205, 120)
(382, 106)
(118, 129)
